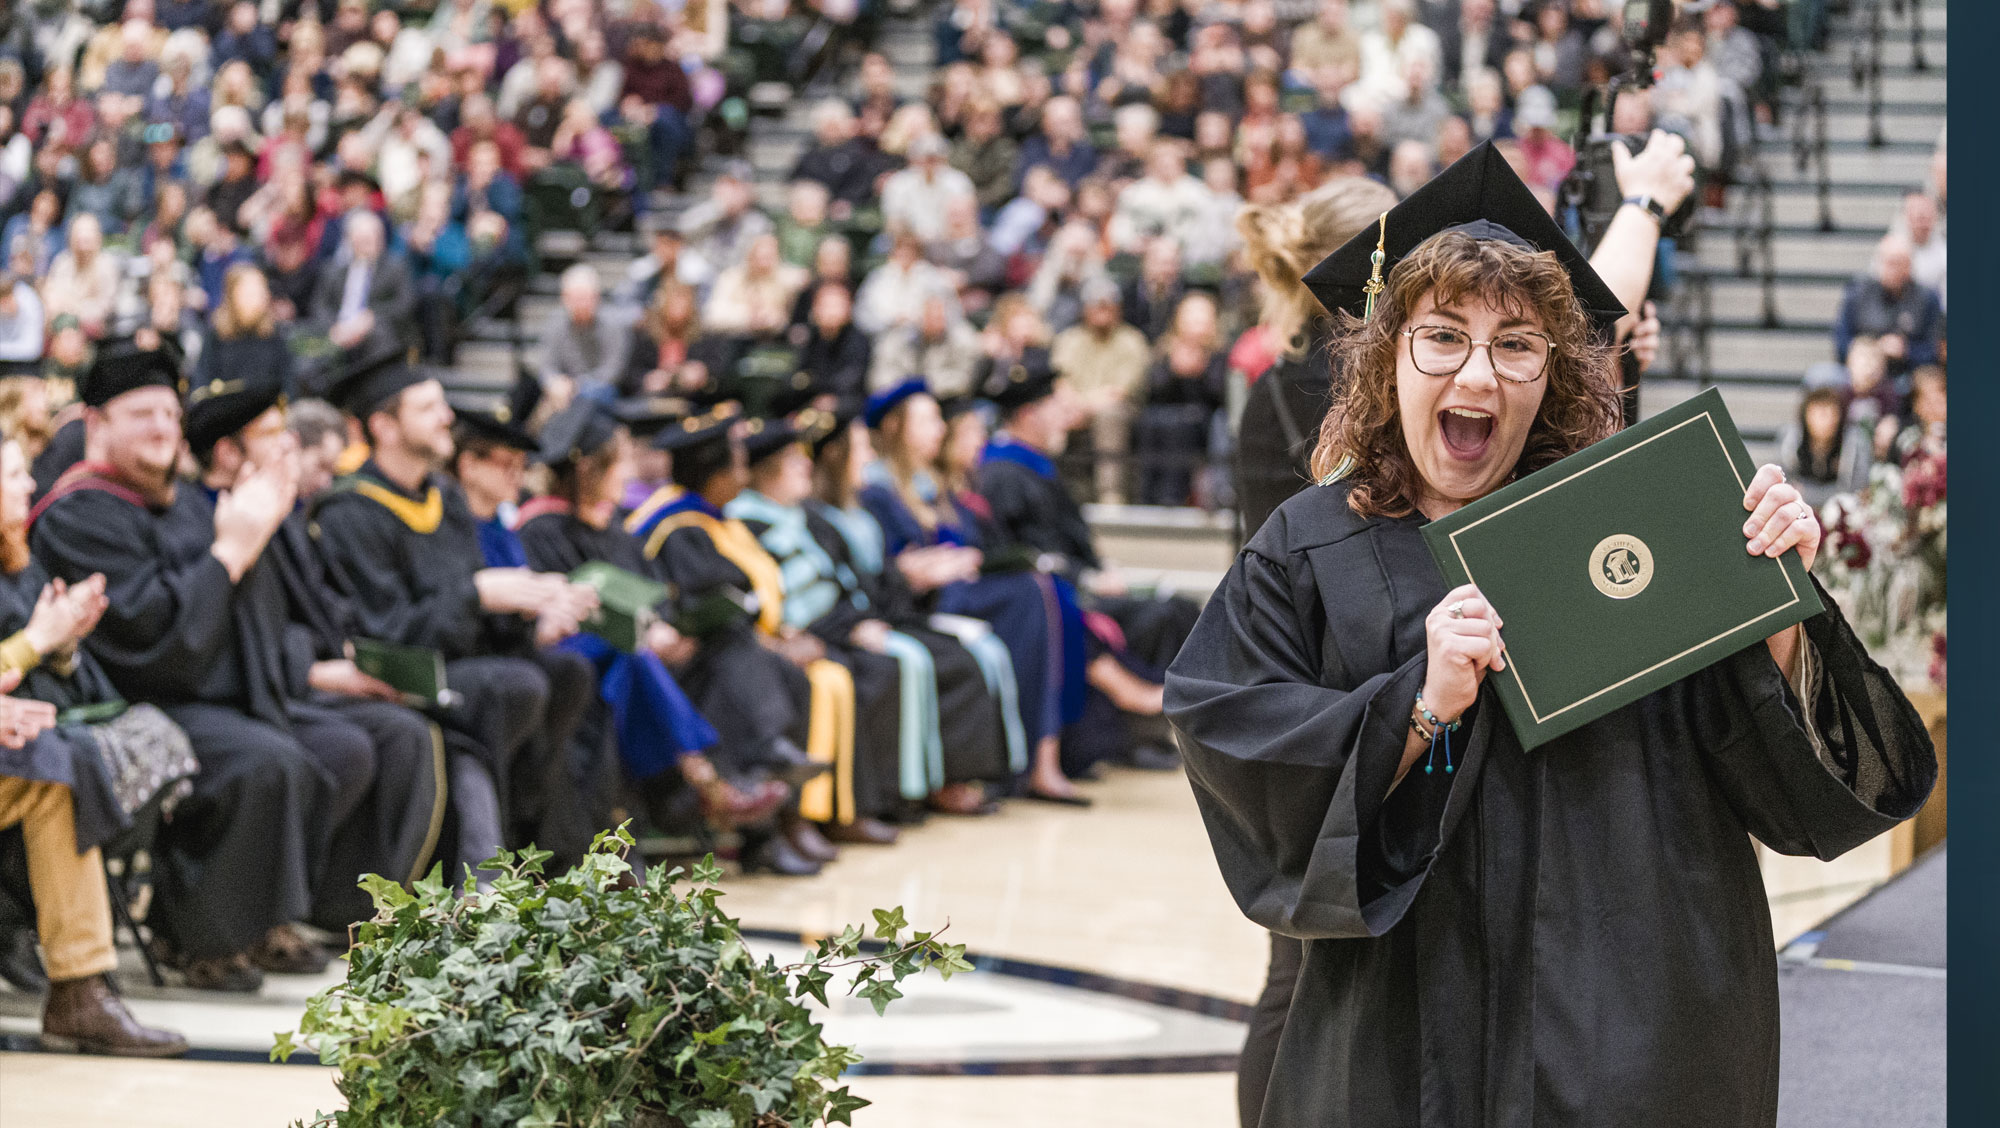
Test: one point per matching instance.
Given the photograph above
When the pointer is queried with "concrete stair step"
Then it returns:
(1757, 351)
(1757, 410)
(1847, 128)
(1793, 208)
(1823, 254)
(1797, 302)
(1899, 84)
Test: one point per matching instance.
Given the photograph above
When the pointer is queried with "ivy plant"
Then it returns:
(587, 1000)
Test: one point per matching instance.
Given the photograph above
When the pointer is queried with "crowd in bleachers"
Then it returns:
(1883, 398)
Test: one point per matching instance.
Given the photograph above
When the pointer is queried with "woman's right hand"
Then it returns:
(1462, 647)
(63, 615)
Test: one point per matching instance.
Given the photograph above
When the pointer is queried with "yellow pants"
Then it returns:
(72, 906)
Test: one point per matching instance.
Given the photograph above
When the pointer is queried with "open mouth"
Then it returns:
(1466, 431)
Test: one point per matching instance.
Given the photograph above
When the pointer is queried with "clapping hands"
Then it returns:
(65, 614)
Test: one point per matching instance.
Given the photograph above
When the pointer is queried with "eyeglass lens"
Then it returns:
(1440, 350)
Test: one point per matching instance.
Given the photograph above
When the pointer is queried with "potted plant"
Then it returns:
(588, 999)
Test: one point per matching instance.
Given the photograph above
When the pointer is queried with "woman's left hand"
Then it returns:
(1779, 517)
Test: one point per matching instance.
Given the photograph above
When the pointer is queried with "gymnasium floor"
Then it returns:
(1126, 893)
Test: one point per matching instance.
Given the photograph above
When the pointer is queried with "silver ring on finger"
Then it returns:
(1456, 610)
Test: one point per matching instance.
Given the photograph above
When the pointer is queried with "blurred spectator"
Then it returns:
(1918, 223)
(893, 293)
(1546, 158)
(1073, 257)
(1689, 97)
(835, 354)
(721, 228)
(987, 156)
(1387, 51)
(1165, 203)
(583, 353)
(1104, 362)
(1155, 293)
(968, 262)
(83, 279)
(1029, 217)
(1487, 112)
(664, 261)
(1820, 451)
(939, 346)
(1060, 145)
(20, 320)
(1415, 116)
(39, 230)
(1559, 49)
(1735, 50)
(915, 198)
(1185, 390)
(655, 93)
(1903, 315)
(666, 354)
(1411, 164)
(366, 298)
(1472, 44)
(754, 297)
(290, 271)
(1926, 423)
(1326, 45)
(1869, 391)
(844, 163)
(804, 225)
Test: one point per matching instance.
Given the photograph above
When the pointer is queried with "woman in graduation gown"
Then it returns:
(658, 730)
(1573, 936)
(822, 607)
(941, 550)
(963, 719)
(768, 691)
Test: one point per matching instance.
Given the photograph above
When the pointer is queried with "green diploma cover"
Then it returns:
(1621, 569)
(625, 603)
(416, 672)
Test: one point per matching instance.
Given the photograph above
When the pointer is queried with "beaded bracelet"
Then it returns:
(1432, 718)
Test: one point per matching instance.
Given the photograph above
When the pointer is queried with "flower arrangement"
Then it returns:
(1883, 561)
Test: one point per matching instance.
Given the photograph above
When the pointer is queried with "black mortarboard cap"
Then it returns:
(577, 431)
(1015, 385)
(1480, 196)
(793, 393)
(225, 405)
(121, 367)
(647, 416)
(819, 428)
(506, 422)
(373, 379)
(700, 445)
(763, 438)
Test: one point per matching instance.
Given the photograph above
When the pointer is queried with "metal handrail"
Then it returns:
(1868, 72)
(1809, 148)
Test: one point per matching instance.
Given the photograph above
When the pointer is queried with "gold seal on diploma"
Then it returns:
(1621, 566)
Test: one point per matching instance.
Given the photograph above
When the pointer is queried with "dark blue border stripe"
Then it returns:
(1973, 1025)
(1172, 998)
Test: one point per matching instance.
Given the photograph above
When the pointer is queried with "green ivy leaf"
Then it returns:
(841, 1106)
(882, 992)
(387, 895)
(813, 982)
(951, 960)
(283, 1047)
(889, 922)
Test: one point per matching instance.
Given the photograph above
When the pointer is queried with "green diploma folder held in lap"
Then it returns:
(625, 603)
(1621, 569)
(416, 672)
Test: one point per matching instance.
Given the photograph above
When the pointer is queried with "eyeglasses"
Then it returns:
(1519, 356)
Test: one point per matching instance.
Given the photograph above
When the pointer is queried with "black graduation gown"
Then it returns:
(1275, 438)
(1035, 512)
(416, 589)
(240, 853)
(65, 450)
(878, 721)
(975, 745)
(396, 829)
(752, 696)
(1574, 936)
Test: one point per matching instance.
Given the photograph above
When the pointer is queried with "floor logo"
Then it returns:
(1621, 566)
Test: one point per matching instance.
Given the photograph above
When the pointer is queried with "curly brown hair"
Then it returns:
(1362, 435)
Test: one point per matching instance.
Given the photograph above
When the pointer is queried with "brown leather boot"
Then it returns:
(88, 1016)
(807, 840)
(287, 951)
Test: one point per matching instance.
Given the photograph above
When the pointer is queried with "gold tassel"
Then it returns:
(1374, 287)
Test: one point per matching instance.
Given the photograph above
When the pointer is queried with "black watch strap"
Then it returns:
(1651, 206)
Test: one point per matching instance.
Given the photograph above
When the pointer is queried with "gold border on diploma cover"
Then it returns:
(1515, 670)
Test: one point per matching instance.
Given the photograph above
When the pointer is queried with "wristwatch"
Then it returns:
(1650, 206)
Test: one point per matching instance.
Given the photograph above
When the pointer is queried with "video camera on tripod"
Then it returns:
(1590, 193)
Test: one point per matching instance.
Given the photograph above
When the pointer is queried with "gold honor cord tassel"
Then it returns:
(1374, 287)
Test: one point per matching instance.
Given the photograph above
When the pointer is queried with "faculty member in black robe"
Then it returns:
(233, 425)
(189, 629)
(1573, 936)
(403, 548)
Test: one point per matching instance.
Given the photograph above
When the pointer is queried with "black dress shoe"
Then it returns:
(777, 855)
(789, 762)
(863, 832)
(19, 965)
(810, 843)
(1152, 758)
